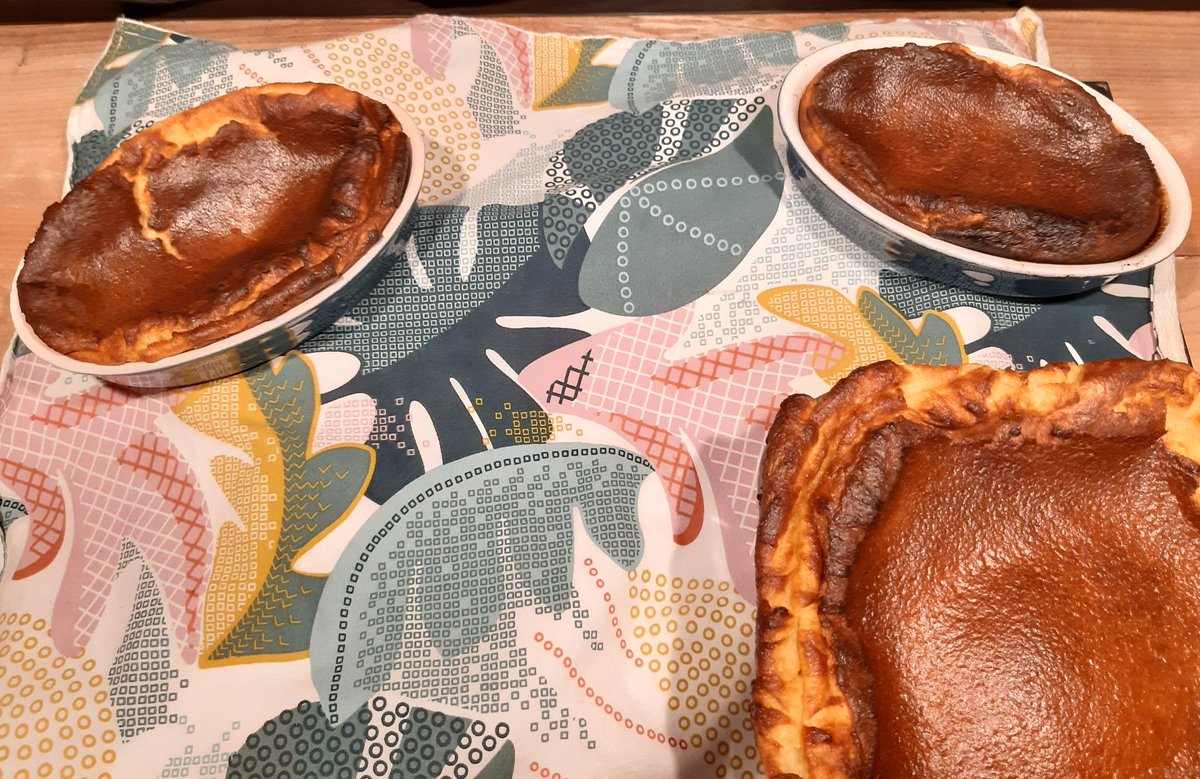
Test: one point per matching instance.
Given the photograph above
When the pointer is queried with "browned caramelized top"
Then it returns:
(1031, 609)
(1013, 161)
(965, 572)
(214, 220)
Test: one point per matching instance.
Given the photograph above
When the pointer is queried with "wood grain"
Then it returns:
(19, 11)
(1149, 58)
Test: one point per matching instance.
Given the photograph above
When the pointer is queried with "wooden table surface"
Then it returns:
(1148, 57)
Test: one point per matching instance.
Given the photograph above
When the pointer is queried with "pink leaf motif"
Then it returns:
(47, 513)
(77, 409)
(125, 484)
(721, 401)
(674, 466)
(155, 460)
(763, 415)
(720, 364)
(433, 37)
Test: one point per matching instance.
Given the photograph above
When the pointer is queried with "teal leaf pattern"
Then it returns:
(502, 765)
(431, 742)
(143, 684)
(490, 100)
(92, 149)
(912, 296)
(164, 80)
(678, 233)
(935, 342)
(11, 510)
(607, 154)
(128, 37)
(395, 739)
(302, 744)
(451, 556)
(831, 31)
(654, 71)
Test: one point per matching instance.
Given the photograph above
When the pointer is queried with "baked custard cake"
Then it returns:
(965, 572)
(1013, 161)
(212, 221)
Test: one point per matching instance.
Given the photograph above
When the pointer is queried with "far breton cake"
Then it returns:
(214, 220)
(1014, 161)
(965, 572)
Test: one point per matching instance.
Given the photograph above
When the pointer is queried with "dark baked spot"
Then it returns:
(817, 736)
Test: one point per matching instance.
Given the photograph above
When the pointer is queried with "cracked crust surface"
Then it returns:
(829, 488)
(214, 220)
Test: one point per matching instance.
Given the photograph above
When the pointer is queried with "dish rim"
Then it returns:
(1166, 242)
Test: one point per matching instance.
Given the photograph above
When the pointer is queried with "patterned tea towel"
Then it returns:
(498, 520)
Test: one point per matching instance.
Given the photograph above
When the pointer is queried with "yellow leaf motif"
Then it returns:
(243, 553)
(564, 72)
(828, 312)
(258, 607)
(872, 330)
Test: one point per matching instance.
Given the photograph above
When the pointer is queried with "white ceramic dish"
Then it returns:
(890, 239)
(266, 340)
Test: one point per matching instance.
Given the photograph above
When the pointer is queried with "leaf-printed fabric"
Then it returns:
(296, 496)
(498, 519)
(87, 461)
(458, 550)
(717, 404)
(675, 235)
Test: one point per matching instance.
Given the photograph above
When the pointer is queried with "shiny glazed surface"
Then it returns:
(1016, 162)
(1039, 619)
(212, 221)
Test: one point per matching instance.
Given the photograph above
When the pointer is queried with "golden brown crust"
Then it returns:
(1013, 161)
(214, 220)
(807, 722)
